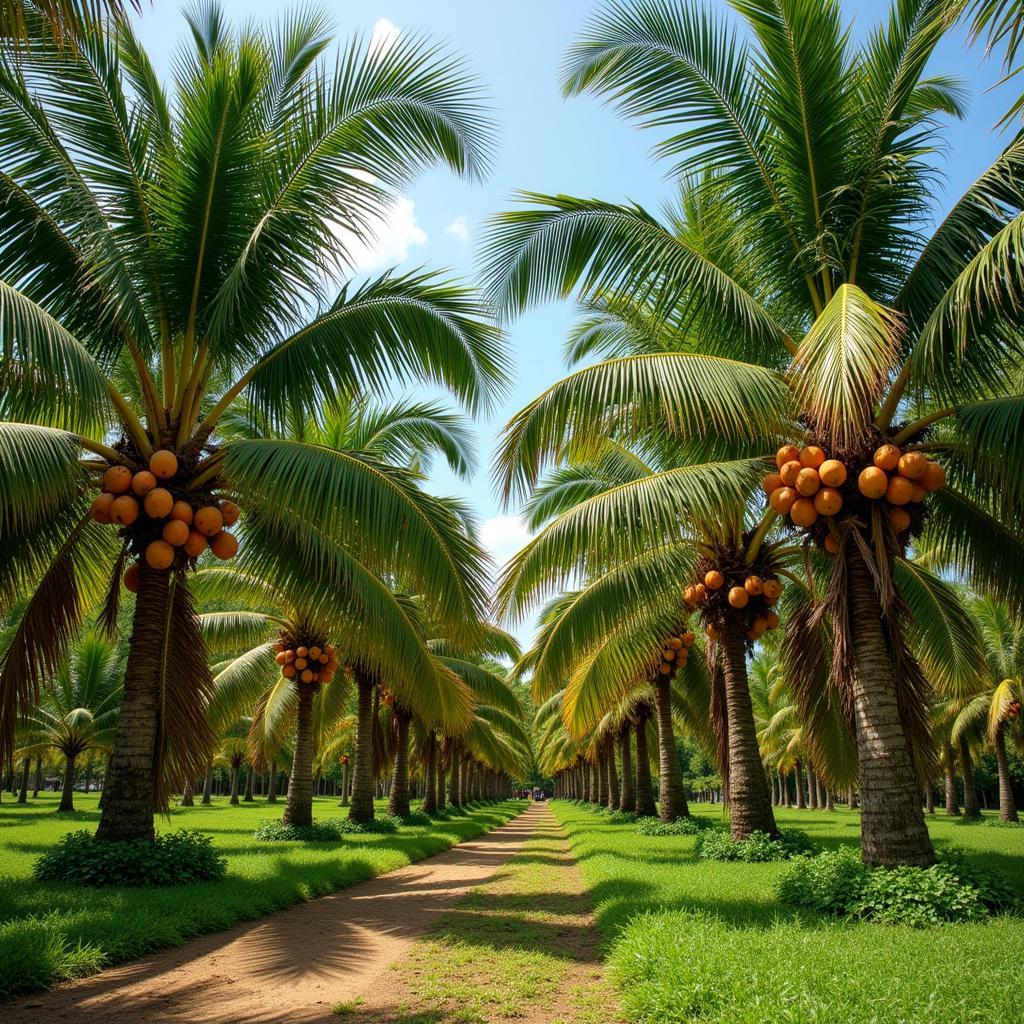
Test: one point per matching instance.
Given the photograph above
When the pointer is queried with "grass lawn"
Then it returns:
(53, 931)
(698, 941)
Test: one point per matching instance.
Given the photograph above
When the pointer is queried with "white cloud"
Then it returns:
(458, 229)
(503, 536)
(385, 35)
(393, 237)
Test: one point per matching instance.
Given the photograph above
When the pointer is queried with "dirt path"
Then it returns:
(295, 965)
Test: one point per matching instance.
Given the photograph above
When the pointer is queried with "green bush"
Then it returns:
(757, 848)
(175, 858)
(680, 827)
(999, 823)
(838, 883)
(328, 830)
(621, 817)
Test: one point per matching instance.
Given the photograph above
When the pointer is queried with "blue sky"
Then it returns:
(549, 145)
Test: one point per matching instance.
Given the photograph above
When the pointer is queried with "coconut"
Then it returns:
(675, 643)
(753, 585)
(289, 656)
(224, 545)
(307, 675)
(302, 652)
(100, 508)
(229, 510)
(790, 471)
(300, 660)
(773, 620)
(772, 590)
(280, 658)
(828, 501)
(913, 465)
(919, 493)
(208, 520)
(933, 477)
(900, 519)
(664, 668)
(782, 500)
(738, 597)
(163, 464)
(158, 503)
(117, 479)
(803, 513)
(713, 579)
(887, 457)
(808, 482)
(872, 482)
(787, 453)
(831, 545)
(759, 626)
(159, 554)
(143, 482)
(195, 545)
(832, 473)
(124, 510)
(687, 638)
(812, 456)
(182, 511)
(899, 491)
(702, 593)
(668, 654)
(176, 532)
(288, 671)
(772, 482)
(132, 577)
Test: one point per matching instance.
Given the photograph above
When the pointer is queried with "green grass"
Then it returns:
(691, 940)
(51, 931)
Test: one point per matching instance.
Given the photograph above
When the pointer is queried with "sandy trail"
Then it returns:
(294, 965)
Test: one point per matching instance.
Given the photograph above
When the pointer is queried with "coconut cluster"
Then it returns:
(306, 660)
(809, 485)
(165, 522)
(730, 594)
(675, 653)
(1014, 710)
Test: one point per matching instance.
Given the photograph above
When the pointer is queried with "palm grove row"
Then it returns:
(798, 451)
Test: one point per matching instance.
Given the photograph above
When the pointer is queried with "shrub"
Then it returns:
(421, 818)
(839, 883)
(999, 823)
(621, 817)
(329, 830)
(175, 858)
(680, 827)
(757, 848)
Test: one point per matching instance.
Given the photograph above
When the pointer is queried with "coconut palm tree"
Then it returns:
(807, 303)
(164, 255)
(78, 710)
(65, 16)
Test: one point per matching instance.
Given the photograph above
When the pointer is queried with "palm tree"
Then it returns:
(806, 303)
(64, 16)
(78, 710)
(180, 260)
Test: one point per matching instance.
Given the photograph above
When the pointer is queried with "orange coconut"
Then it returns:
(900, 519)
(158, 503)
(280, 658)
(899, 491)
(289, 655)
(803, 512)
(872, 482)
(224, 545)
(288, 671)
(668, 654)
(702, 593)
(163, 464)
(933, 477)
(828, 501)
(195, 545)
(812, 456)
(887, 457)
(782, 500)
(100, 508)
(773, 620)
(208, 520)
(302, 651)
(159, 554)
(132, 575)
(772, 590)
(713, 579)
(229, 510)
(772, 482)
(182, 510)
(913, 465)
(790, 471)
(787, 453)
(808, 482)
(753, 585)
(117, 479)
(143, 482)
(690, 594)
(738, 597)
(124, 510)
(919, 493)
(831, 545)
(301, 662)
(832, 473)
(176, 532)
(759, 626)
(664, 668)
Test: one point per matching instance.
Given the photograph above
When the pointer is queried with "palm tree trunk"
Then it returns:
(128, 794)
(298, 808)
(207, 785)
(602, 776)
(454, 796)
(749, 799)
(442, 790)
(645, 805)
(272, 783)
(248, 784)
(187, 797)
(613, 777)
(398, 802)
(812, 788)
(893, 830)
(37, 782)
(798, 776)
(362, 769)
(67, 797)
(430, 775)
(1007, 803)
(851, 797)
(591, 781)
(949, 770)
(783, 790)
(234, 786)
(627, 798)
(23, 793)
(670, 779)
(971, 808)
(929, 799)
